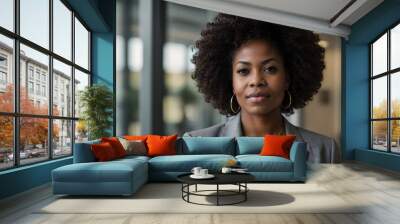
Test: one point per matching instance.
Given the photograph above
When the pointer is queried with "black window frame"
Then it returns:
(388, 74)
(16, 115)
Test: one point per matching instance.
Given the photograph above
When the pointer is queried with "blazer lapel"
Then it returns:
(232, 127)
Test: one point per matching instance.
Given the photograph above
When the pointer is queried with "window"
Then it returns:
(54, 125)
(3, 78)
(385, 94)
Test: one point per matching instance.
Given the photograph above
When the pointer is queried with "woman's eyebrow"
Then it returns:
(266, 61)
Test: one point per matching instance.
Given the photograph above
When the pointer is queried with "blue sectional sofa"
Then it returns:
(125, 176)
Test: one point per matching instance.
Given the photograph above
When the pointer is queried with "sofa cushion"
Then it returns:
(159, 145)
(111, 171)
(249, 145)
(103, 152)
(207, 145)
(277, 145)
(257, 163)
(83, 152)
(185, 163)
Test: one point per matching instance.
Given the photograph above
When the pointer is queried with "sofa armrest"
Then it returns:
(298, 157)
(83, 152)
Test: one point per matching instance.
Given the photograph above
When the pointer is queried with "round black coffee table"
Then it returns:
(238, 179)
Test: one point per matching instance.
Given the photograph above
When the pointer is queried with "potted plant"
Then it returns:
(96, 102)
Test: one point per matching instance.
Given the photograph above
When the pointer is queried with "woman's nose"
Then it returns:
(257, 80)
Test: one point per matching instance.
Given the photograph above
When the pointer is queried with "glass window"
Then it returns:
(62, 72)
(6, 73)
(81, 81)
(33, 140)
(379, 135)
(385, 129)
(62, 29)
(81, 45)
(34, 21)
(62, 138)
(40, 62)
(183, 106)
(379, 56)
(6, 142)
(379, 100)
(395, 47)
(7, 14)
(30, 87)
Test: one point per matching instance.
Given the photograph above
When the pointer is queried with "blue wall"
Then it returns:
(355, 86)
(99, 15)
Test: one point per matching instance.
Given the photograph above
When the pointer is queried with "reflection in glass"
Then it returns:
(6, 142)
(62, 138)
(183, 106)
(81, 45)
(379, 97)
(33, 139)
(62, 29)
(129, 63)
(6, 74)
(379, 55)
(7, 14)
(379, 135)
(81, 81)
(62, 89)
(34, 73)
(395, 47)
(395, 138)
(34, 21)
(81, 131)
(395, 95)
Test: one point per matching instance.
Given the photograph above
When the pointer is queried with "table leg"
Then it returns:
(217, 194)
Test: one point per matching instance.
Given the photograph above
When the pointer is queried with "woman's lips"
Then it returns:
(257, 99)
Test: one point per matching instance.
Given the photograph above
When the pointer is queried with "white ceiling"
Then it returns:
(315, 15)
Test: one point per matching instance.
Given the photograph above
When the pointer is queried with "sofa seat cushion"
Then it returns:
(257, 163)
(112, 171)
(185, 163)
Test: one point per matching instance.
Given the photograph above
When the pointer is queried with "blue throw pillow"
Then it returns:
(249, 145)
(207, 145)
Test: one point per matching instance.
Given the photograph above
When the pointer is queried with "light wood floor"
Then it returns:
(378, 188)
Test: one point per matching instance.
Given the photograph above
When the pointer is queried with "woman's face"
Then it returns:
(259, 78)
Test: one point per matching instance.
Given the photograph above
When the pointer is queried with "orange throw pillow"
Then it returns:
(135, 137)
(116, 145)
(161, 145)
(277, 145)
(103, 152)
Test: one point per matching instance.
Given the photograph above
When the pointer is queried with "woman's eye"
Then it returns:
(243, 71)
(271, 69)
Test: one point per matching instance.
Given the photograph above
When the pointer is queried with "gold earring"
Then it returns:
(290, 100)
(237, 111)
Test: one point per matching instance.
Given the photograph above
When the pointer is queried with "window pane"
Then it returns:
(379, 55)
(33, 139)
(395, 94)
(395, 47)
(6, 74)
(34, 72)
(35, 21)
(62, 89)
(62, 29)
(81, 45)
(81, 81)
(62, 138)
(379, 100)
(379, 135)
(395, 138)
(7, 14)
(81, 131)
(6, 142)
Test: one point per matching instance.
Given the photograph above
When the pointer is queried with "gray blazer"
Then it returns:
(321, 149)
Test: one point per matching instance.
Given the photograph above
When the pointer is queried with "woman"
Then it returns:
(254, 71)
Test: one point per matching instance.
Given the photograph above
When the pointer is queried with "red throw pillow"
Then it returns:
(277, 145)
(161, 145)
(103, 151)
(116, 145)
(135, 137)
